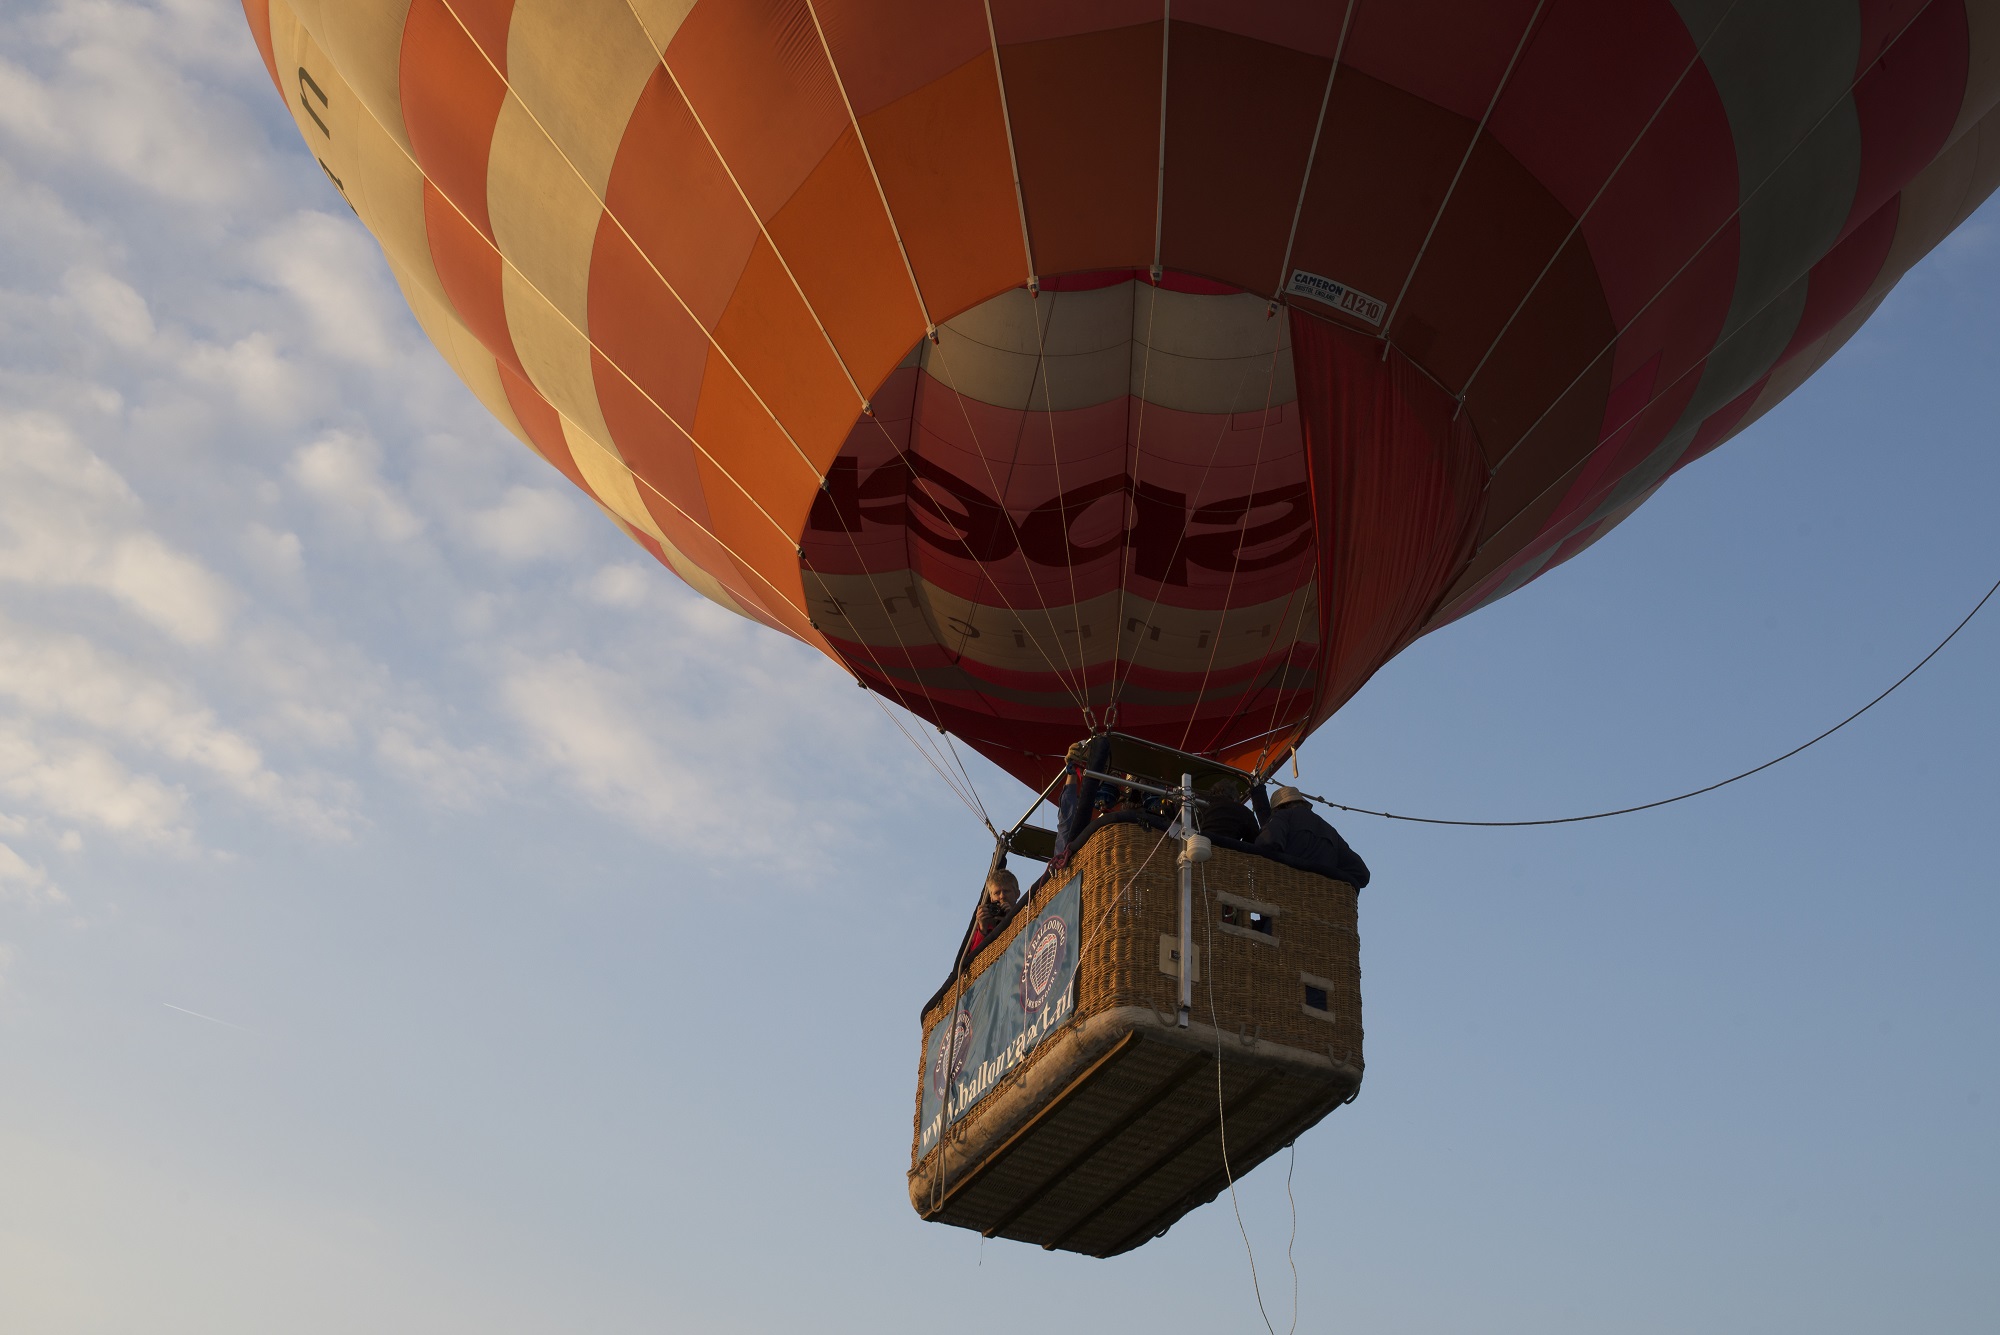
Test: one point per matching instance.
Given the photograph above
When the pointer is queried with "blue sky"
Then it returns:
(562, 937)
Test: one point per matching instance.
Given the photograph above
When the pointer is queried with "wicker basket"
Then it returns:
(1112, 1127)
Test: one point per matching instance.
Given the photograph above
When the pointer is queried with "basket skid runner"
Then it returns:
(1071, 1102)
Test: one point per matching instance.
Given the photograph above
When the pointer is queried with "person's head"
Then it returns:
(1287, 797)
(1002, 887)
(1222, 791)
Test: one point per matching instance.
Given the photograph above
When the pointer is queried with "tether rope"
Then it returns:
(1681, 797)
(1222, 1114)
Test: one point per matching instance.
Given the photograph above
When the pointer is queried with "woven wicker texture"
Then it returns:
(1131, 1143)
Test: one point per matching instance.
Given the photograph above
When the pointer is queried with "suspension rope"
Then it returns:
(1682, 797)
(1062, 510)
(970, 786)
(929, 759)
(1076, 690)
(1236, 563)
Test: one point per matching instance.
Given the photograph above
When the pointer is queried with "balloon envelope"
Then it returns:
(1059, 365)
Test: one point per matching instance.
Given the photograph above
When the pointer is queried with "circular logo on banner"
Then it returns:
(951, 1054)
(1042, 961)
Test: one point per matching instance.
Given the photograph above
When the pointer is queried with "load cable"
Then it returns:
(1679, 797)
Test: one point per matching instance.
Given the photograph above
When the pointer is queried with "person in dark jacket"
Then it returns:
(1297, 831)
(996, 907)
(1225, 814)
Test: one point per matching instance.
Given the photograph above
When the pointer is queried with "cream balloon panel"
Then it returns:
(363, 39)
(888, 612)
(1063, 350)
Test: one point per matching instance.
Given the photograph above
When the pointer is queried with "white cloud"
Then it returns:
(113, 306)
(83, 781)
(111, 98)
(449, 775)
(27, 111)
(529, 524)
(622, 585)
(589, 724)
(344, 471)
(23, 882)
(331, 268)
(65, 677)
(68, 520)
(653, 759)
(273, 552)
(259, 377)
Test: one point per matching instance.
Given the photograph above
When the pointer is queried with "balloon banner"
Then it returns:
(1022, 998)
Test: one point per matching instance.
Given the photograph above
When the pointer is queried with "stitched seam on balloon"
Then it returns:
(930, 330)
(778, 253)
(860, 397)
(873, 175)
(727, 170)
(641, 390)
(673, 292)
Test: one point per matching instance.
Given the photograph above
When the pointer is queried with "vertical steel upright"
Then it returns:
(1187, 859)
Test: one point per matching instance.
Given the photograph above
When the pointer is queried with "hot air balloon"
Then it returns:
(1150, 368)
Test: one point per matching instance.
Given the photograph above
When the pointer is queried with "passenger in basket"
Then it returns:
(996, 908)
(1225, 814)
(1297, 831)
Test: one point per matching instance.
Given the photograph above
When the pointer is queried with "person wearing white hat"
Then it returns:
(1298, 834)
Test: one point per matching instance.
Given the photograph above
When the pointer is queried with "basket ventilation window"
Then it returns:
(1316, 997)
(1238, 916)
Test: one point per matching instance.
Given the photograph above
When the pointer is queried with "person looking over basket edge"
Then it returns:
(1222, 812)
(996, 907)
(1300, 834)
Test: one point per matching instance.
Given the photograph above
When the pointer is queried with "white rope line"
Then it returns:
(1125, 555)
(742, 194)
(1013, 158)
(979, 811)
(868, 157)
(1215, 453)
(1076, 691)
(976, 808)
(1062, 510)
(986, 578)
(1389, 320)
(714, 344)
(1577, 226)
(1229, 590)
(1312, 154)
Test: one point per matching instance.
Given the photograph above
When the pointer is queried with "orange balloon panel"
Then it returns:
(1061, 366)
